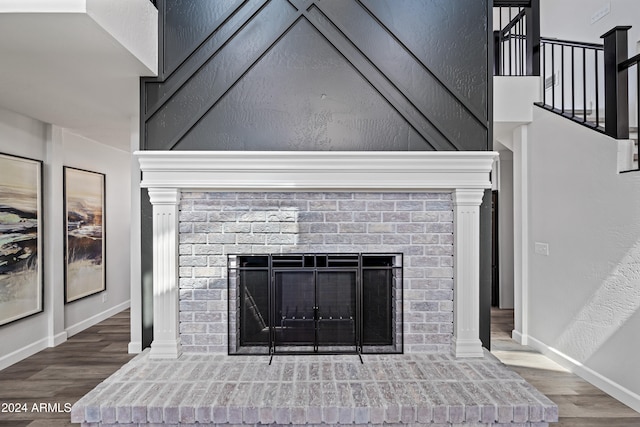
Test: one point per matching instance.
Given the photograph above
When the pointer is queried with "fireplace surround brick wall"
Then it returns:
(215, 224)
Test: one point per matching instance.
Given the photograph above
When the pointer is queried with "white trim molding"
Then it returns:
(166, 173)
(97, 318)
(605, 384)
(317, 170)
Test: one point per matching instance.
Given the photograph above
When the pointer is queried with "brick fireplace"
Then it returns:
(209, 205)
(315, 220)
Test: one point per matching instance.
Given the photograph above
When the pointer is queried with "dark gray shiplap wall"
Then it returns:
(320, 75)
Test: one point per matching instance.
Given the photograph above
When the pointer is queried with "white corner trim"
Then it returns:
(518, 337)
(56, 340)
(23, 353)
(134, 347)
(93, 320)
(316, 170)
(605, 384)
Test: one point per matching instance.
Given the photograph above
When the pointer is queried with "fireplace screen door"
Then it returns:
(315, 310)
(319, 303)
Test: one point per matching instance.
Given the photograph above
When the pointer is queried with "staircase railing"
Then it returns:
(517, 43)
(573, 76)
(591, 84)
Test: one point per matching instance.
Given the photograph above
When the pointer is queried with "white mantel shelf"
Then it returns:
(167, 173)
(316, 170)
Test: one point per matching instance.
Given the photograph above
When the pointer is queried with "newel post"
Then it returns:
(497, 53)
(466, 275)
(166, 340)
(532, 14)
(616, 83)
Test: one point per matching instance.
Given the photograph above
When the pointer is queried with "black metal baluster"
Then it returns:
(510, 45)
(523, 32)
(584, 84)
(520, 32)
(597, 90)
(525, 58)
(544, 73)
(573, 82)
(501, 45)
(562, 85)
(553, 77)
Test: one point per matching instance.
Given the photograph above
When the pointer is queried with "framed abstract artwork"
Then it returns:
(21, 277)
(84, 200)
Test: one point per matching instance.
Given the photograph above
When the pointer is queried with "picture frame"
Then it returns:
(85, 243)
(21, 242)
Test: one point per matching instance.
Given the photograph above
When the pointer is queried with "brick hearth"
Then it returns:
(211, 390)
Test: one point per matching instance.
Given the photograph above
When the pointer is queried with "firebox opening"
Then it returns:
(315, 303)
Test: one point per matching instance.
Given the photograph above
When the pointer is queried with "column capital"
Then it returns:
(164, 196)
(468, 196)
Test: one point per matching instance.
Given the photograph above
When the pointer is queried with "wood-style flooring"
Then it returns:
(61, 375)
(579, 403)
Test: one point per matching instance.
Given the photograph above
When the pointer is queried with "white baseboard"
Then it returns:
(52, 341)
(135, 347)
(23, 353)
(56, 340)
(518, 337)
(610, 387)
(87, 323)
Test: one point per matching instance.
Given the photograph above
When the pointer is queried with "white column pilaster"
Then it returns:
(166, 341)
(54, 237)
(466, 276)
(135, 343)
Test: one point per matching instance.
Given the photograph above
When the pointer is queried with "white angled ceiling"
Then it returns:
(77, 63)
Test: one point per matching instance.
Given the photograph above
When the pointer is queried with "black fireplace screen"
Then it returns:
(315, 303)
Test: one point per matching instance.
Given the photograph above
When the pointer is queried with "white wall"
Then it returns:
(584, 296)
(555, 15)
(83, 153)
(23, 136)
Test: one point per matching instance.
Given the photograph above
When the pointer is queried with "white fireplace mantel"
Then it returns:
(466, 174)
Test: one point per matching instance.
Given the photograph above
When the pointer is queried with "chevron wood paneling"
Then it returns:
(320, 75)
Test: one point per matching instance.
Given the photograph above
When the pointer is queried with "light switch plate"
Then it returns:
(542, 248)
(601, 13)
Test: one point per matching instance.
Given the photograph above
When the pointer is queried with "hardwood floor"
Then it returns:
(60, 376)
(580, 404)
